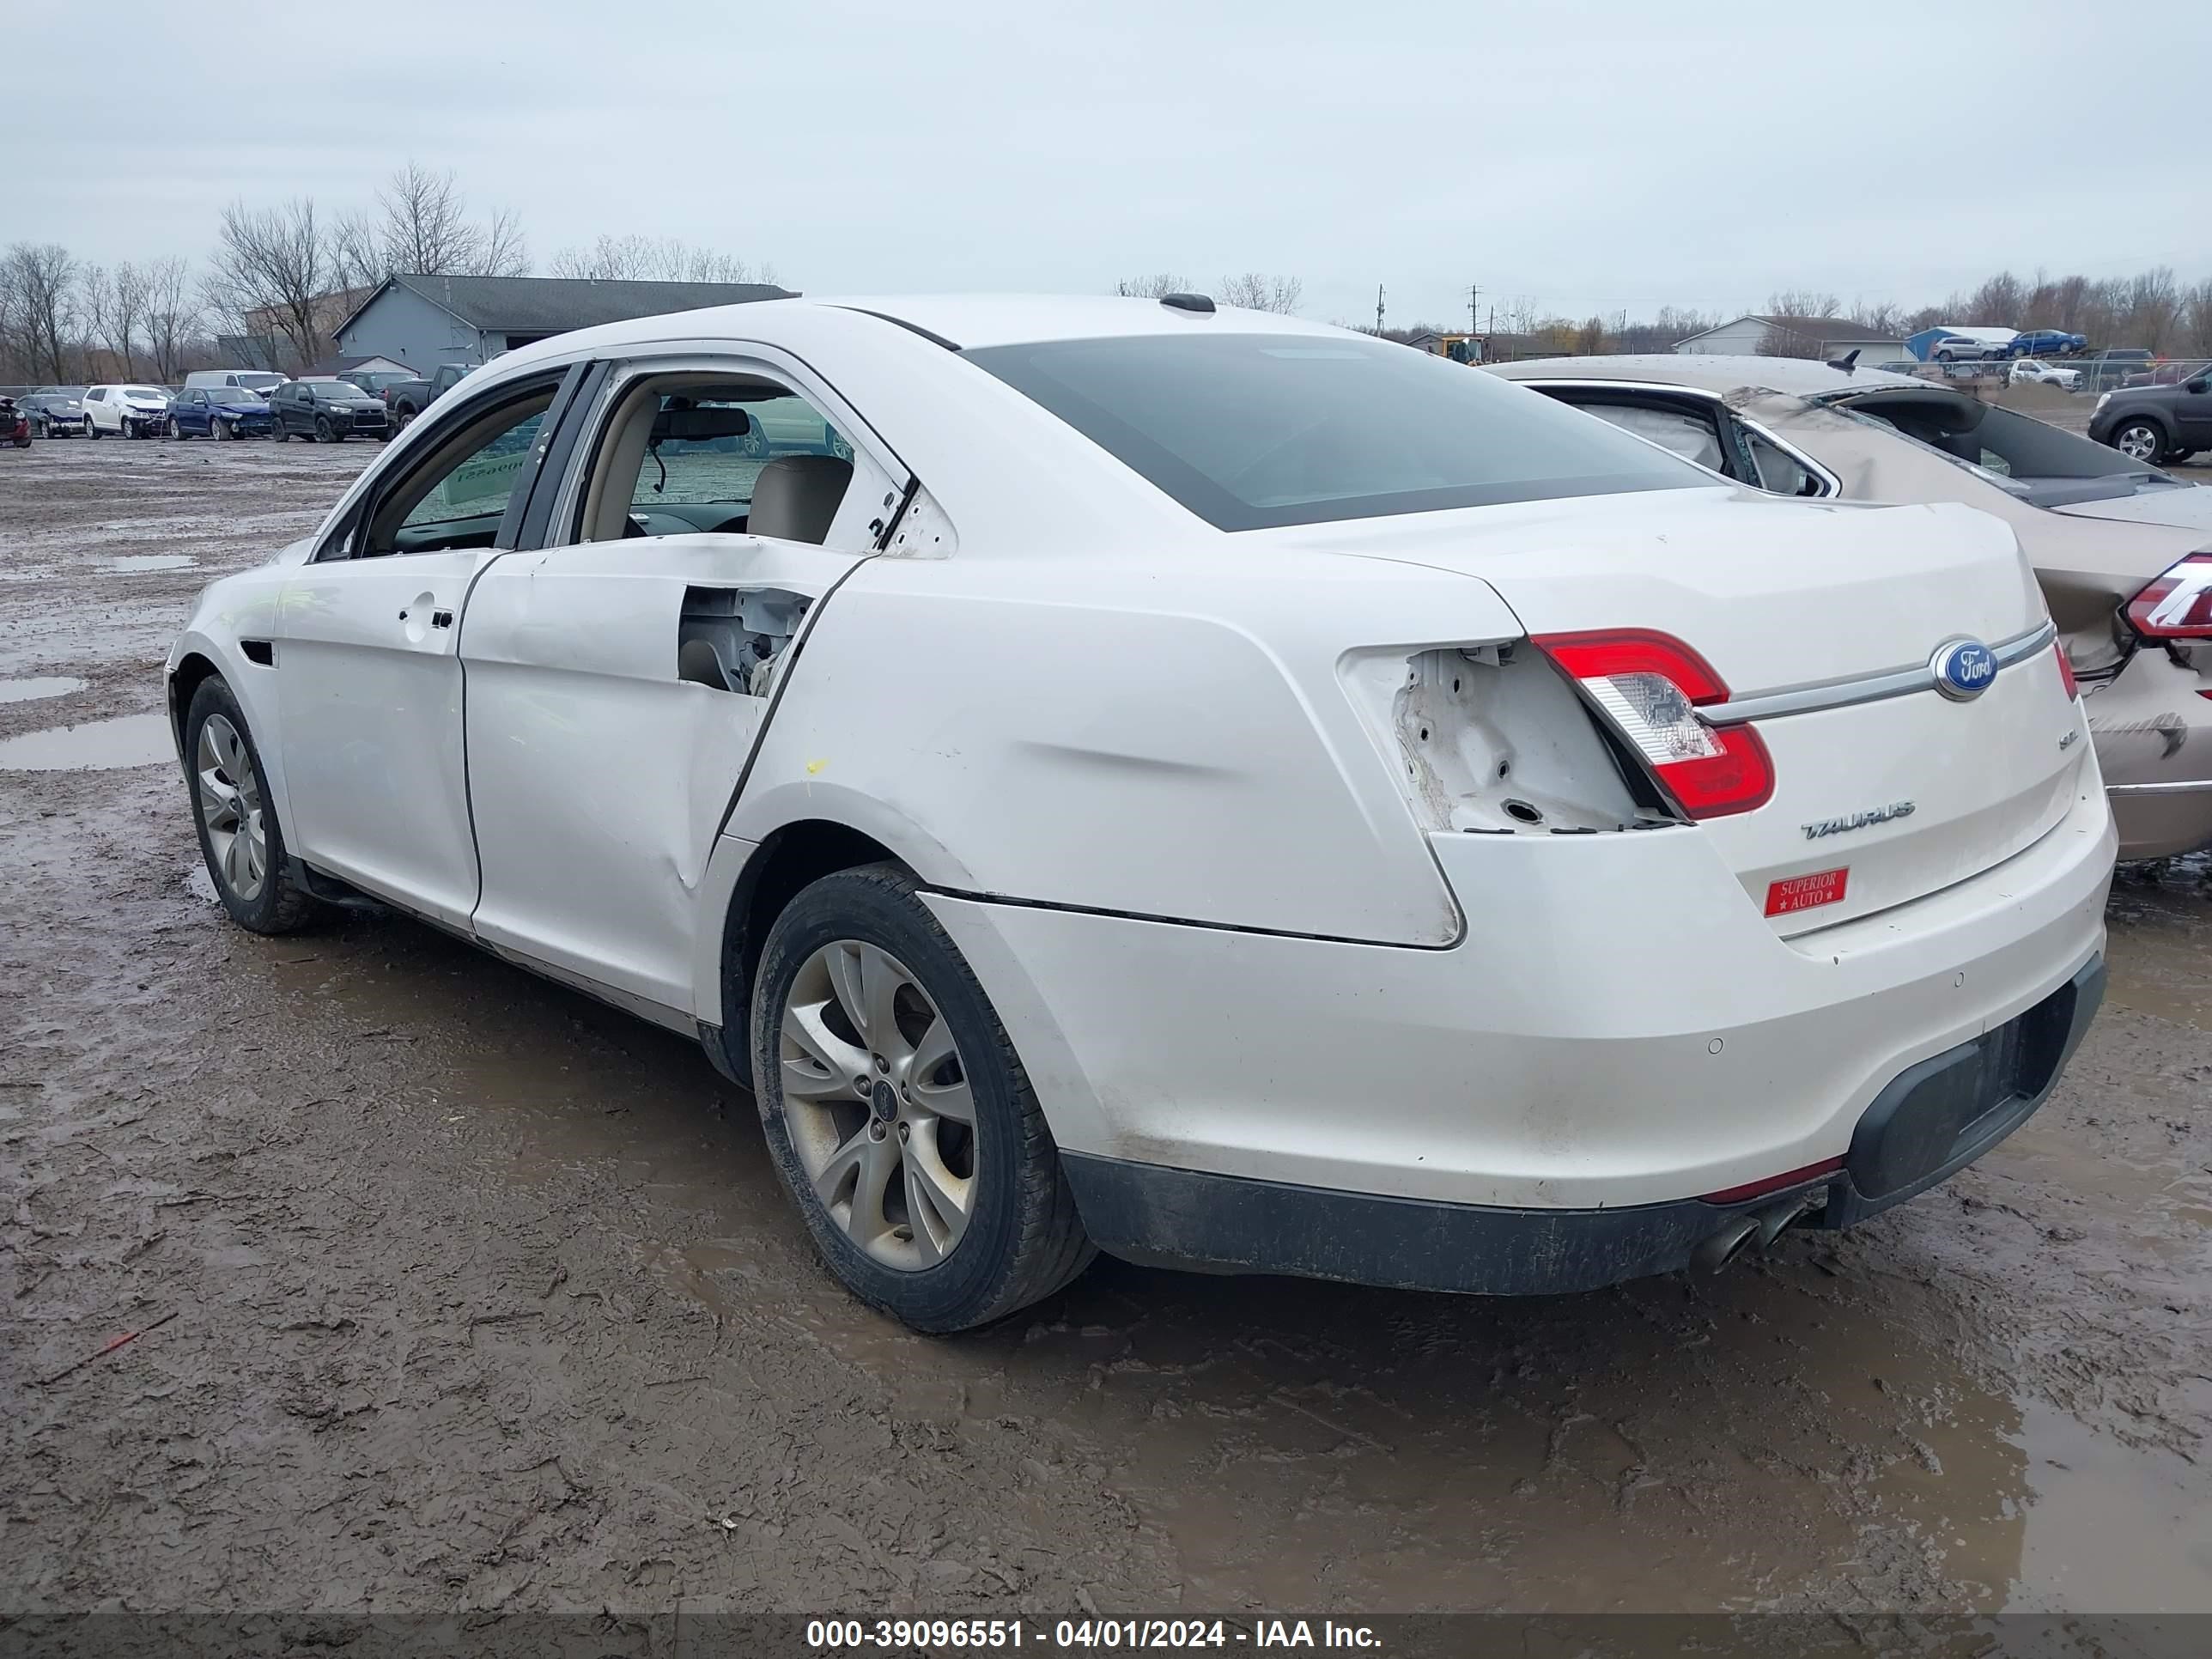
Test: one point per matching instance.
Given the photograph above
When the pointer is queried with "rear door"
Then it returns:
(369, 677)
(618, 676)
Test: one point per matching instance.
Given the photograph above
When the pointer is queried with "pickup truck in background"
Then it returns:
(408, 398)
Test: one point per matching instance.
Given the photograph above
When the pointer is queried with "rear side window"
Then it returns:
(1252, 431)
(1676, 430)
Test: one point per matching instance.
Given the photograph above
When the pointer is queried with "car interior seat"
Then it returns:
(795, 497)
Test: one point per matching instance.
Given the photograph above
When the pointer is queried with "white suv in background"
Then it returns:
(125, 412)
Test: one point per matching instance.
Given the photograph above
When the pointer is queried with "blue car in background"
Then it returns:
(2046, 343)
(218, 412)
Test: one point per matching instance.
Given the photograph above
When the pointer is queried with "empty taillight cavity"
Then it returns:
(1650, 686)
(1457, 721)
(2178, 604)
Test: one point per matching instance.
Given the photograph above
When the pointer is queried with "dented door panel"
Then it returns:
(598, 774)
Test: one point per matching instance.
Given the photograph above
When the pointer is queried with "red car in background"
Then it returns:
(15, 424)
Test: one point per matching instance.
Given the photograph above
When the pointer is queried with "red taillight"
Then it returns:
(1648, 685)
(2066, 672)
(1772, 1183)
(2178, 604)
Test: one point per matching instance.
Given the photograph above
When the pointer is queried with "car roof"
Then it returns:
(1804, 377)
(959, 320)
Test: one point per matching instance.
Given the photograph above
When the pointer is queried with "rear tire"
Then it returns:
(239, 838)
(939, 1050)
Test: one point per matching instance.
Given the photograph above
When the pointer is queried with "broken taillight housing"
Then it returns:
(2178, 604)
(1650, 686)
(2066, 672)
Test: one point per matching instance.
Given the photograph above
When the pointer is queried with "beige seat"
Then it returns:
(796, 497)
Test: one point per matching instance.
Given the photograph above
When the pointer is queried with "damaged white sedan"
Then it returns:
(1188, 783)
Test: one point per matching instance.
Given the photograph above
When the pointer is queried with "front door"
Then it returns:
(617, 682)
(370, 680)
(2192, 412)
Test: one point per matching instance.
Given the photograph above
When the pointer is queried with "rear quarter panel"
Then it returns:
(1155, 737)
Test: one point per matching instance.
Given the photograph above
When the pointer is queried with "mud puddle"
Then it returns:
(98, 745)
(2165, 917)
(131, 564)
(45, 685)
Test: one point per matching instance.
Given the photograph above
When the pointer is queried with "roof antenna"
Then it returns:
(1845, 363)
(1189, 302)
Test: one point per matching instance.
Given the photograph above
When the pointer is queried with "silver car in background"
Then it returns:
(2123, 551)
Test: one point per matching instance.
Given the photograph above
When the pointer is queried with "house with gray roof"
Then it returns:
(423, 321)
(1759, 335)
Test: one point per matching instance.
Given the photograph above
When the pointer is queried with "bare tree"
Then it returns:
(275, 263)
(636, 259)
(115, 307)
(425, 228)
(2000, 302)
(174, 317)
(95, 305)
(1798, 302)
(39, 281)
(357, 257)
(505, 251)
(2153, 303)
(1154, 287)
(1255, 291)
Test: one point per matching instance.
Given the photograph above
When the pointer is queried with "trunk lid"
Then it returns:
(1905, 794)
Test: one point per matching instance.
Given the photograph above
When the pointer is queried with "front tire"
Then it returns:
(176, 432)
(898, 1114)
(2140, 441)
(239, 837)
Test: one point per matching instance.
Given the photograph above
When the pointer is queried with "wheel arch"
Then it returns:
(779, 865)
(2150, 414)
(199, 659)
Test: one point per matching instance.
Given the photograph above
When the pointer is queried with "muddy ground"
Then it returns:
(459, 1291)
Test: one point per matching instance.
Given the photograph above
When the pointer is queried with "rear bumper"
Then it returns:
(1931, 1120)
(1618, 1028)
(2152, 730)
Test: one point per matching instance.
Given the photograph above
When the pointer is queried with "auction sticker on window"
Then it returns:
(1803, 892)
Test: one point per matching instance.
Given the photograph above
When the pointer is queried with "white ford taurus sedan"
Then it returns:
(1217, 789)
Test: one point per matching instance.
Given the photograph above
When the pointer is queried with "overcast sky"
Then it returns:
(1590, 158)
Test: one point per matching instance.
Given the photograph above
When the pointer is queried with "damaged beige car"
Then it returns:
(2123, 549)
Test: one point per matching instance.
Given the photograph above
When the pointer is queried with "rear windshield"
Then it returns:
(1251, 431)
(2032, 460)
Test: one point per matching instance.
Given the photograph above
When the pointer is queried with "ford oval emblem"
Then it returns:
(1963, 669)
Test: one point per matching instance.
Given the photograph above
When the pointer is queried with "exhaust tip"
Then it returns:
(1717, 1250)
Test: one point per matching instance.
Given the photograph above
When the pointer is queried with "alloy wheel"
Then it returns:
(2138, 442)
(176, 432)
(876, 1100)
(230, 807)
